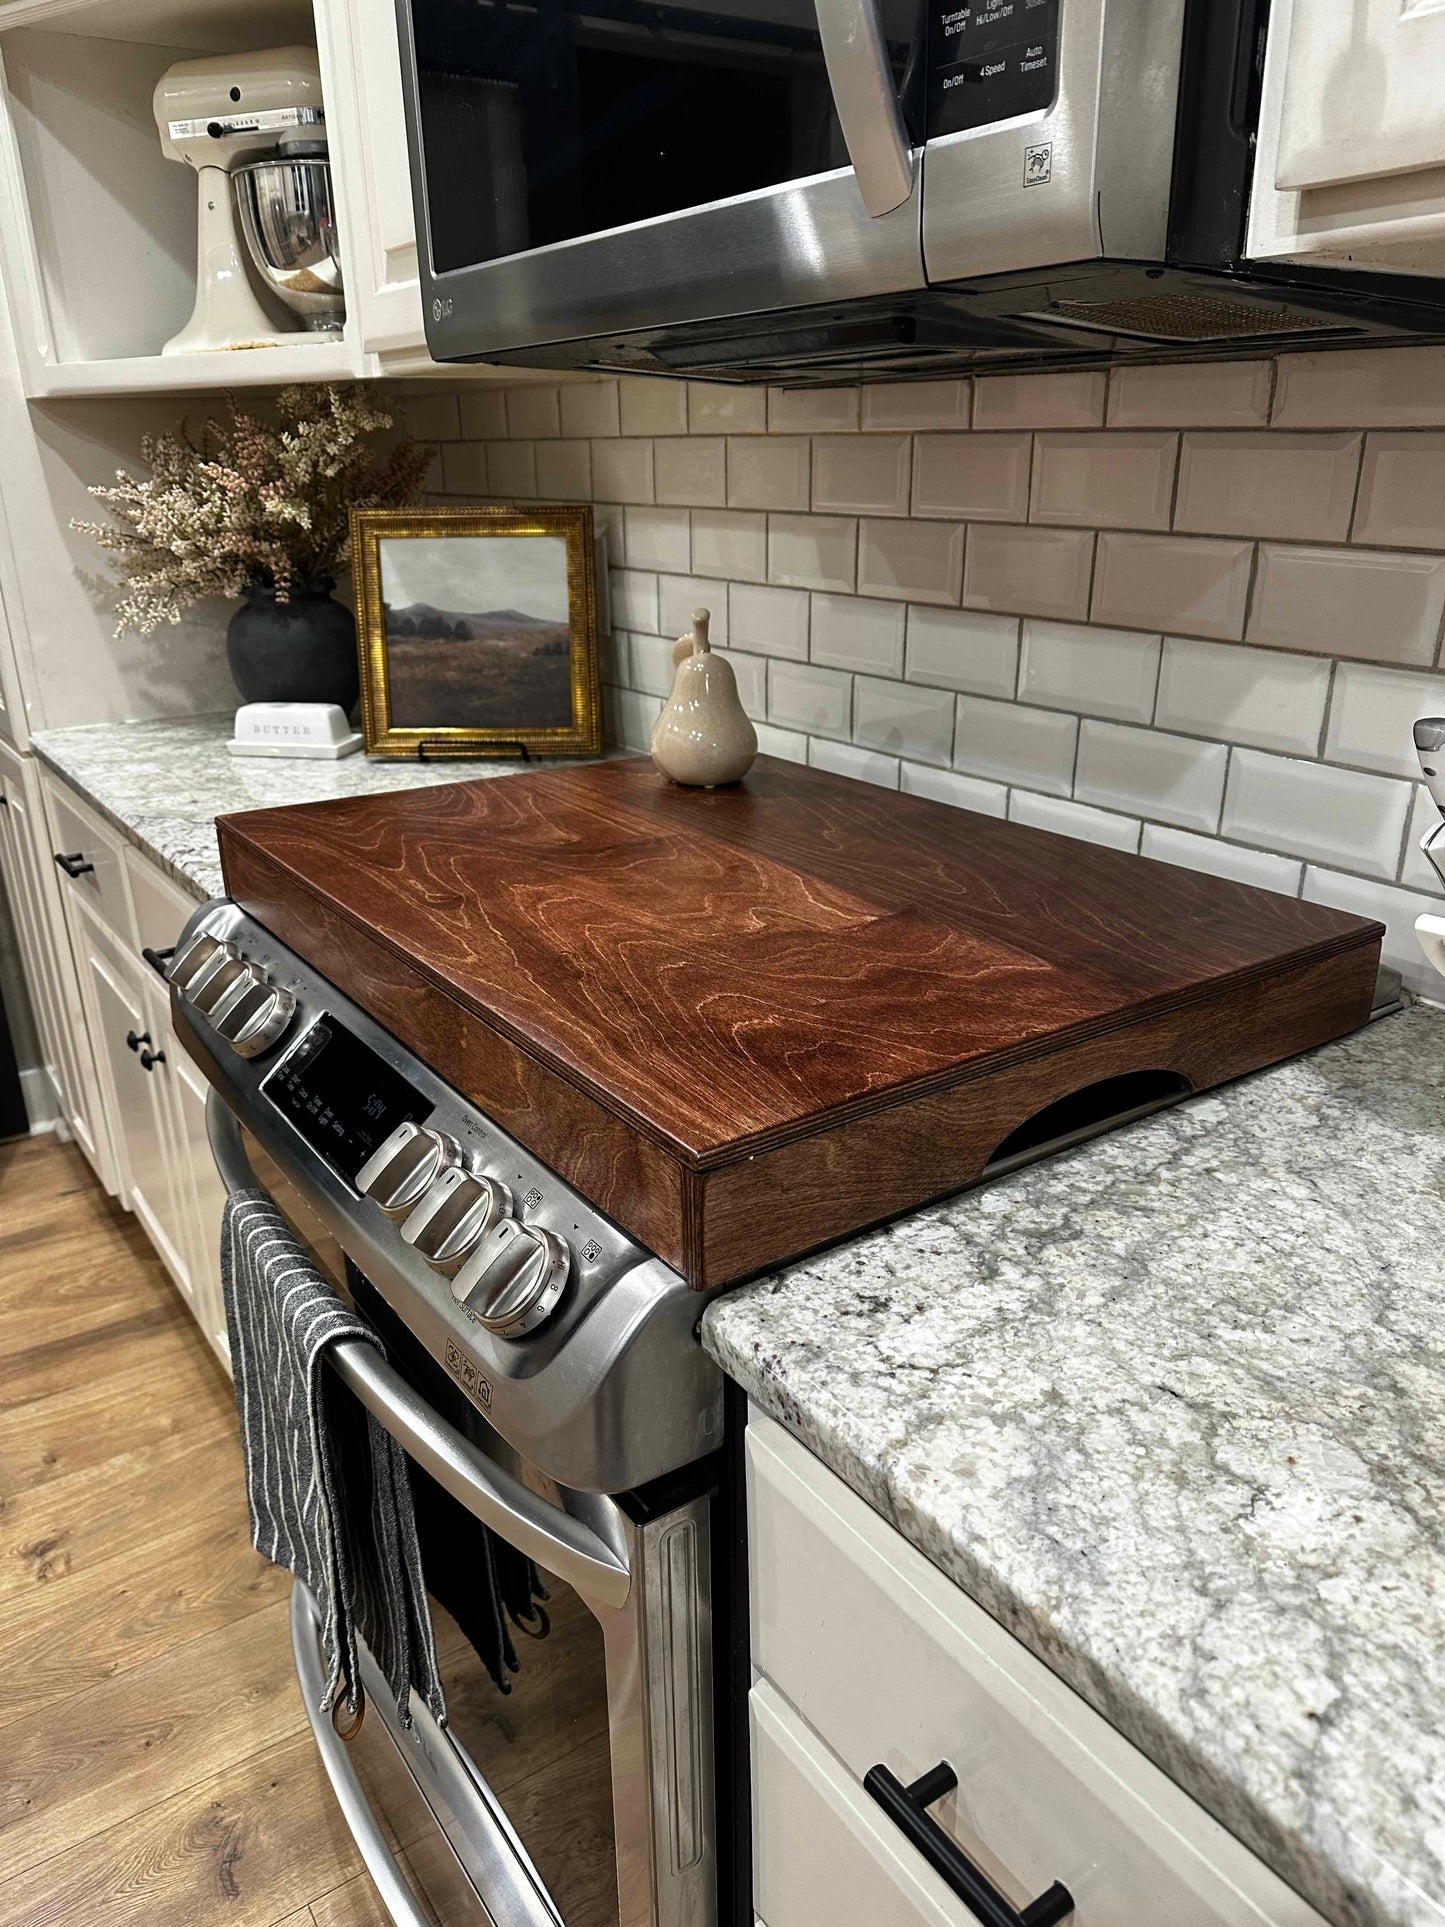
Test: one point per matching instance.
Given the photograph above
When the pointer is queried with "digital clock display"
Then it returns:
(342, 1097)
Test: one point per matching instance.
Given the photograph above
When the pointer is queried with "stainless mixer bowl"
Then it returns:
(290, 229)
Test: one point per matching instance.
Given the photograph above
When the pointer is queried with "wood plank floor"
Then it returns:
(155, 1763)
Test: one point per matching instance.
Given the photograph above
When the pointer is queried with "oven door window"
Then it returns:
(548, 122)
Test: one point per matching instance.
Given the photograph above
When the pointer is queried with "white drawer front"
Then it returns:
(161, 909)
(80, 833)
(822, 1852)
(892, 1664)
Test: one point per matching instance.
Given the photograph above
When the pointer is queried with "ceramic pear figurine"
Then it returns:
(703, 736)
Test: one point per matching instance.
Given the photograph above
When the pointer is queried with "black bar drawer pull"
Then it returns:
(906, 1807)
(158, 959)
(75, 865)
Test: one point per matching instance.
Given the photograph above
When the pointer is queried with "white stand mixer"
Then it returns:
(213, 114)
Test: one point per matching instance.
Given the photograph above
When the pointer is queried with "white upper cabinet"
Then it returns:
(1350, 167)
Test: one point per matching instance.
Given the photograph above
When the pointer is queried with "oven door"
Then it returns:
(579, 168)
(582, 1798)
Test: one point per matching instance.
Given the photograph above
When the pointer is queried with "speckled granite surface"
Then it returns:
(1173, 1410)
(162, 784)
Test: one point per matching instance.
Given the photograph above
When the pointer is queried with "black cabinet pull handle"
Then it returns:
(134, 1039)
(158, 959)
(74, 866)
(906, 1807)
(150, 1058)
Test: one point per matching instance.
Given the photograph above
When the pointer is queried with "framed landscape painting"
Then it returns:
(478, 631)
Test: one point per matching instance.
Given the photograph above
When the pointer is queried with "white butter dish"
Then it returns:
(316, 731)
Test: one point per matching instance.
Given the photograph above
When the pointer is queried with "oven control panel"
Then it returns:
(991, 60)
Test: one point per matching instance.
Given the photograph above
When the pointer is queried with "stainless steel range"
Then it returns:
(555, 1387)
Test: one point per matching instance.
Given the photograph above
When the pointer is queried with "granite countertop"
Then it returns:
(1172, 1408)
(162, 784)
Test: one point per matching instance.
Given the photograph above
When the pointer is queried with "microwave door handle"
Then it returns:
(564, 1545)
(855, 53)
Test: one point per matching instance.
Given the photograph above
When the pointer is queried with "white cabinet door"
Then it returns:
(206, 1197)
(138, 1056)
(49, 965)
(1364, 91)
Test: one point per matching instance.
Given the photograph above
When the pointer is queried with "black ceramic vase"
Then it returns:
(299, 651)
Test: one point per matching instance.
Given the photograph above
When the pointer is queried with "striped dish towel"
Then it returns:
(328, 1487)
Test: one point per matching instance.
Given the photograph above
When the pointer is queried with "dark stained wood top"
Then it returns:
(728, 969)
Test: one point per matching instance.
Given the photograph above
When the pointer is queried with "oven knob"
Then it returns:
(220, 984)
(404, 1166)
(257, 1018)
(199, 952)
(454, 1216)
(512, 1281)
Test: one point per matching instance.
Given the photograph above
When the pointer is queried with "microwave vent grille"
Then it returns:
(1178, 317)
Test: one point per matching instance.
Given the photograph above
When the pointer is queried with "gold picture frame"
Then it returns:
(513, 692)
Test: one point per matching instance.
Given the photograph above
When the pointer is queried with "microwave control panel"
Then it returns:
(990, 60)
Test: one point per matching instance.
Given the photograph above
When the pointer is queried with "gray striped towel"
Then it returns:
(328, 1487)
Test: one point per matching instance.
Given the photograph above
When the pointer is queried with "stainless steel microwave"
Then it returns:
(839, 190)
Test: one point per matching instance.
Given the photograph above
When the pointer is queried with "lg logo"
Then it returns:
(440, 309)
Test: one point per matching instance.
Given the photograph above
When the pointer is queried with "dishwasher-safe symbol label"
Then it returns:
(1038, 165)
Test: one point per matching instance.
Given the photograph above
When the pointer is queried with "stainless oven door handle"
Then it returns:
(564, 1545)
(855, 53)
(396, 1896)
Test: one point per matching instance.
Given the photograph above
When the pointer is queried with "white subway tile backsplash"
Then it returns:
(850, 632)
(1224, 394)
(1151, 774)
(768, 471)
(659, 539)
(678, 596)
(915, 561)
(818, 701)
(635, 715)
(1029, 571)
(959, 792)
(715, 408)
(730, 542)
(861, 474)
(691, 470)
(651, 406)
(564, 471)
(1190, 852)
(813, 551)
(512, 469)
(652, 664)
(1402, 389)
(1349, 602)
(903, 720)
(963, 649)
(614, 661)
(1079, 820)
(590, 408)
(1372, 713)
(1073, 400)
(1014, 744)
(1096, 672)
(1396, 909)
(785, 743)
(812, 411)
(975, 478)
(484, 414)
(774, 621)
(432, 418)
(1119, 480)
(464, 468)
(634, 600)
(1172, 582)
(1402, 492)
(917, 404)
(750, 673)
(863, 765)
(622, 470)
(1309, 809)
(1243, 695)
(533, 411)
(1300, 487)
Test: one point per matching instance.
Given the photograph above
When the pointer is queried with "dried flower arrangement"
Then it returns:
(251, 505)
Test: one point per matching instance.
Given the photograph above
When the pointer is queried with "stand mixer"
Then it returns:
(252, 127)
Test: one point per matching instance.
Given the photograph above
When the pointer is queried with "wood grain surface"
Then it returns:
(650, 985)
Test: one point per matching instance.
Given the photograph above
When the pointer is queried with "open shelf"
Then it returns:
(98, 226)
